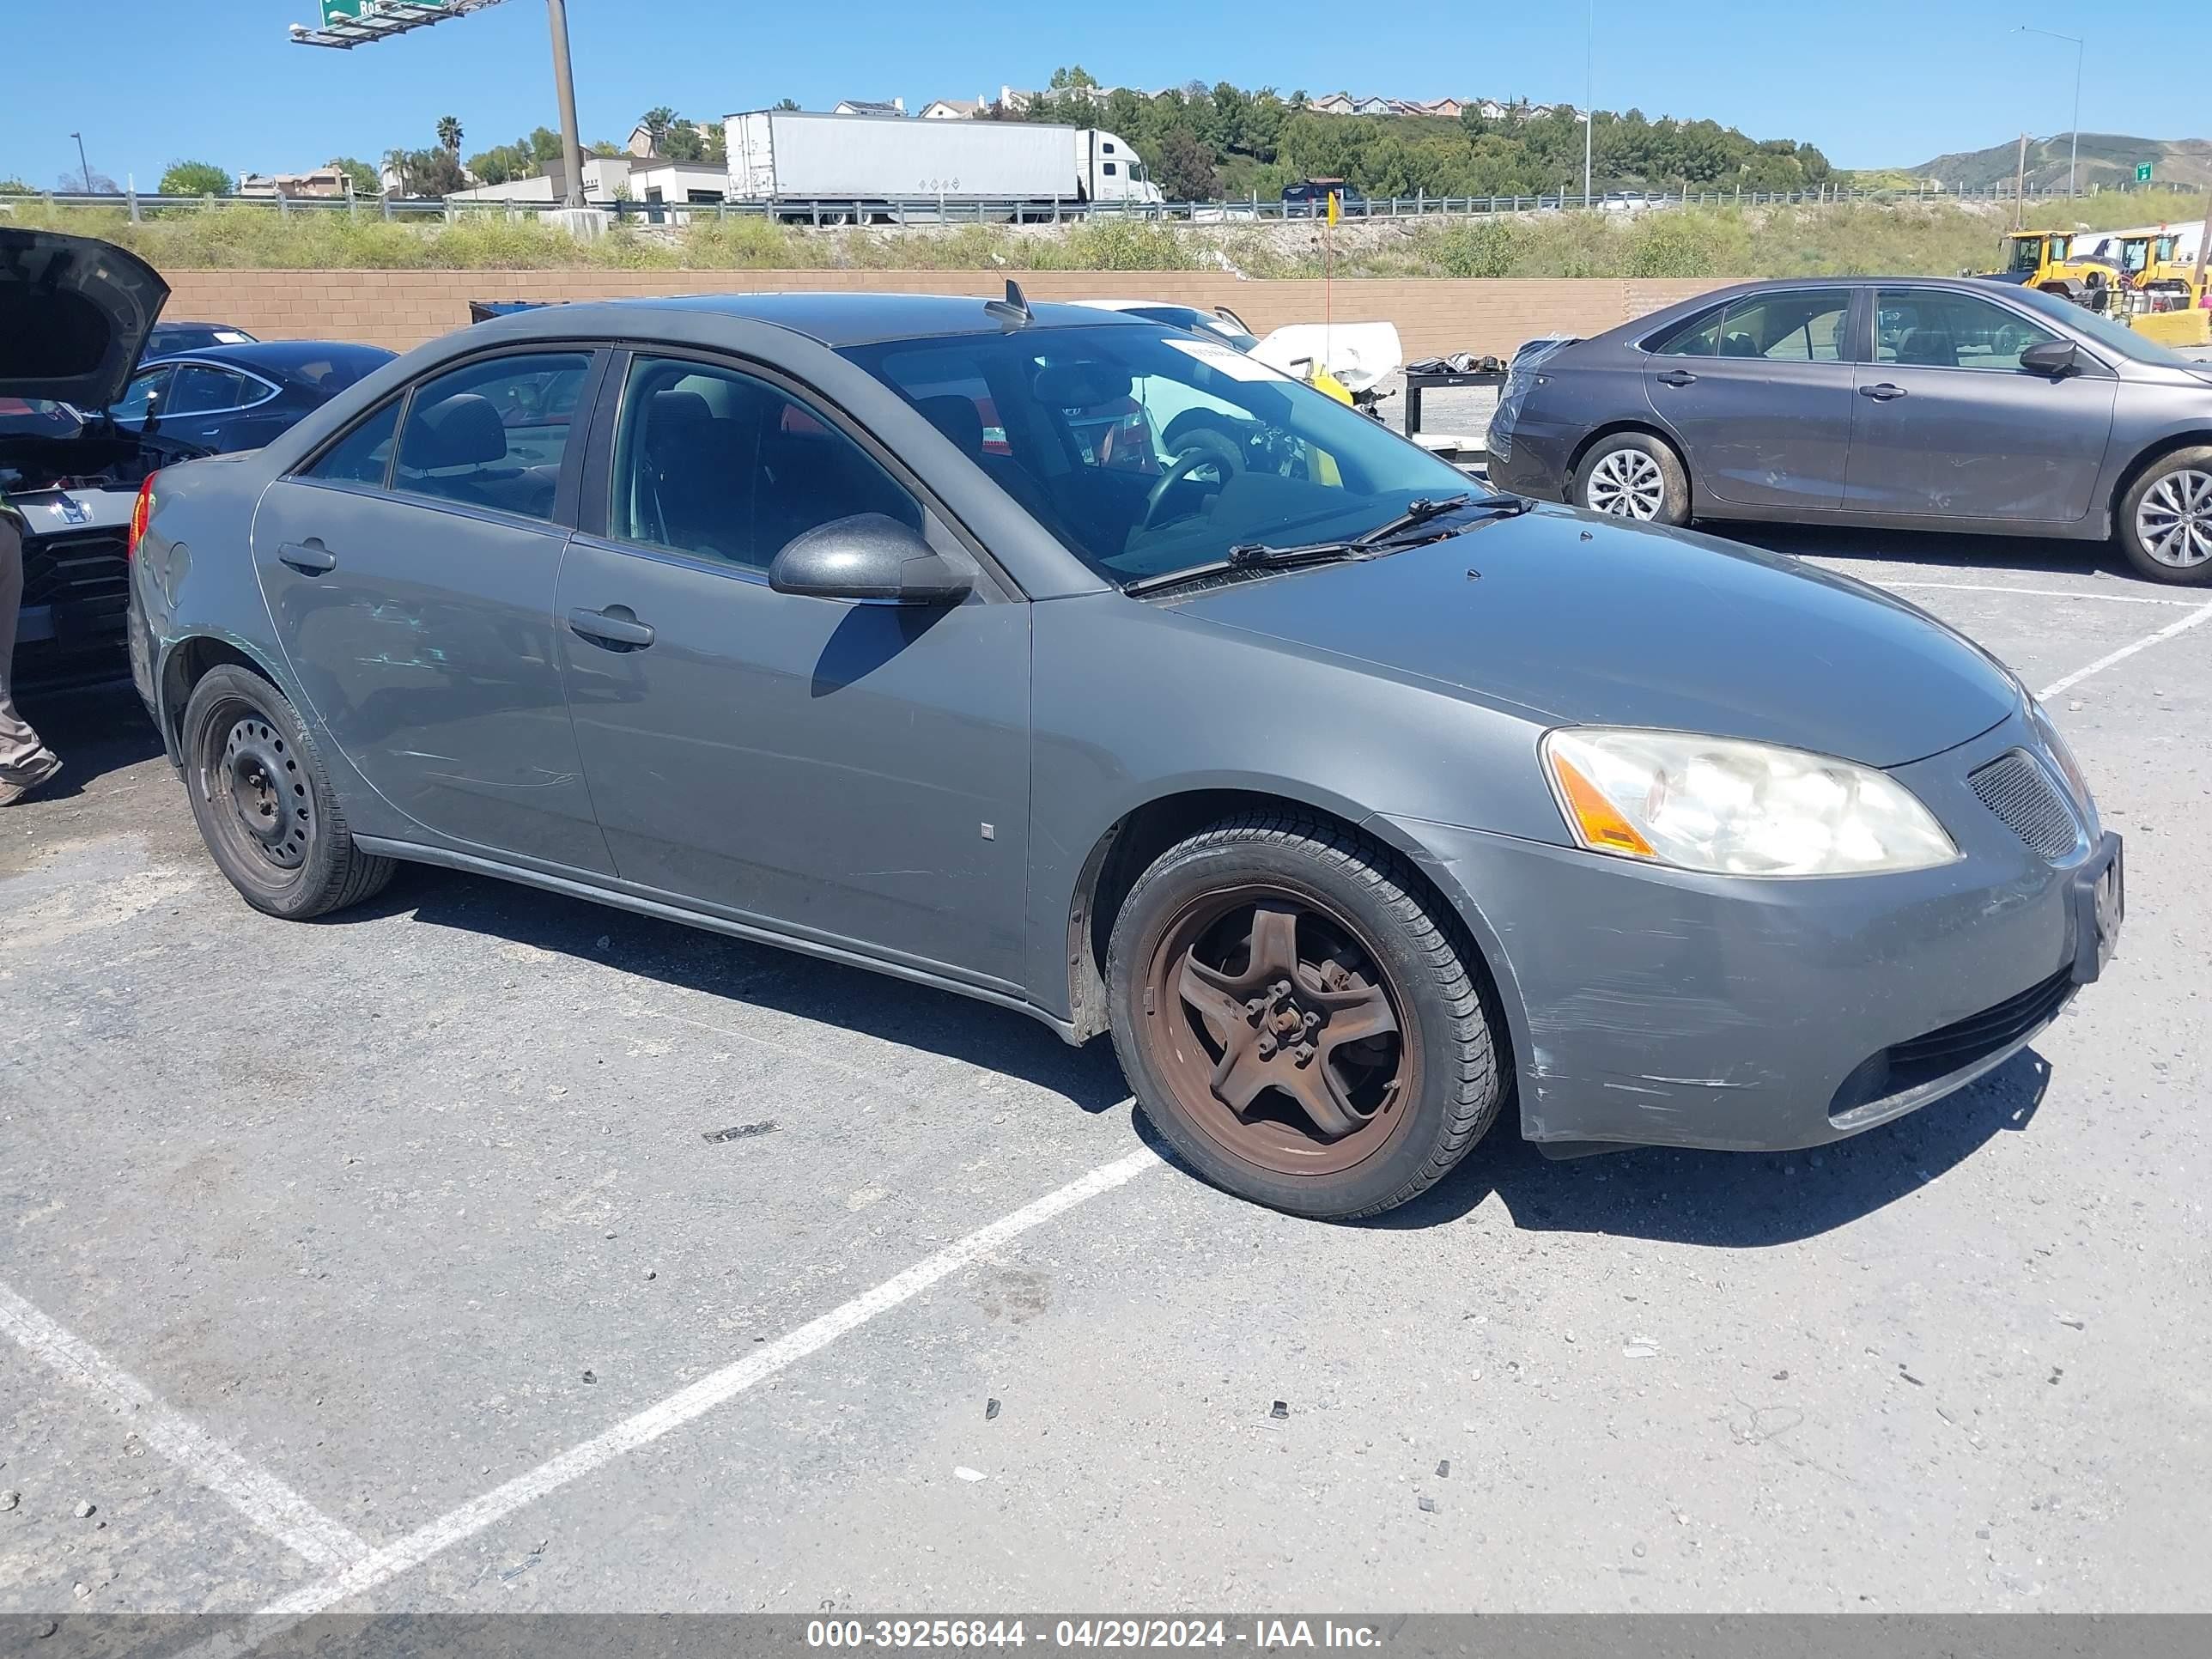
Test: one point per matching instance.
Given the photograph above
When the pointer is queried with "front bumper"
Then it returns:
(1654, 1007)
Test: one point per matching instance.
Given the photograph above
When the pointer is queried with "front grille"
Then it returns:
(90, 566)
(1952, 1049)
(2015, 786)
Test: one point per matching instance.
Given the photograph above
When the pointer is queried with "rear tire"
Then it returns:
(264, 803)
(2165, 521)
(1635, 475)
(1296, 1022)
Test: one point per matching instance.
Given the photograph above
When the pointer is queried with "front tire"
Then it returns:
(264, 803)
(1296, 1020)
(1633, 475)
(2165, 519)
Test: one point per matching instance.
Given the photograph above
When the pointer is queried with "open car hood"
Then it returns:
(74, 316)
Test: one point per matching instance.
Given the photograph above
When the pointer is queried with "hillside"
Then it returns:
(2107, 159)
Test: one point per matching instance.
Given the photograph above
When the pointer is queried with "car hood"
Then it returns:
(74, 315)
(1583, 622)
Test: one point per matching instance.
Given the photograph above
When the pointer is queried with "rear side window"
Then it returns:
(1699, 337)
(363, 455)
(492, 434)
(202, 389)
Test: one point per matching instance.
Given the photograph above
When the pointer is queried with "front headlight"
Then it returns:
(1735, 808)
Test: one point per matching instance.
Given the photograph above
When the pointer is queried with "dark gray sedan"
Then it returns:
(1085, 666)
(1904, 402)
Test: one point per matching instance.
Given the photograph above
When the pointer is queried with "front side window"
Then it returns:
(1144, 451)
(1929, 328)
(364, 454)
(492, 434)
(723, 466)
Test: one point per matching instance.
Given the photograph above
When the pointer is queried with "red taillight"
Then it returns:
(140, 512)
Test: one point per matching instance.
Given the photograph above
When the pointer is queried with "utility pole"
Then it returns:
(2073, 148)
(83, 167)
(1590, 97)
(564, 88)
(2203, 246)
(2019, 187)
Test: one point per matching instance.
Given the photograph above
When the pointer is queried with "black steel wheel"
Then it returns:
(1297, 1022)
(264, 803)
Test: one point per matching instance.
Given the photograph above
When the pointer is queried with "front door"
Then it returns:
(413, 595)
(858, 773)
(1946, 423)
(1759, 394)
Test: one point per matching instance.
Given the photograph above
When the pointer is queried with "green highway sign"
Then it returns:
(2142, 173)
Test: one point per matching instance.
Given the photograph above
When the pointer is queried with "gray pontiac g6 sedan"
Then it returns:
(1084, 665)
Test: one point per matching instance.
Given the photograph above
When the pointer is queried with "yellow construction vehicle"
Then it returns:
(2047, 259)
(2150, 269)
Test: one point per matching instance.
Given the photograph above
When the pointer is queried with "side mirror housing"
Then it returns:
(867, 557)
(2052, 357)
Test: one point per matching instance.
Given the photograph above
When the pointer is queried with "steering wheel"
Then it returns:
(1202, 448)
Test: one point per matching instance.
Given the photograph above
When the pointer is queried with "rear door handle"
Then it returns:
(616, 626)
(309, 558)
(1677, 377)
(1882, 393)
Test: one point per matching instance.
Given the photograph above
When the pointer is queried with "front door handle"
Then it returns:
(1677, 377)
(309, 558)
(616, 626)
(1882, 393)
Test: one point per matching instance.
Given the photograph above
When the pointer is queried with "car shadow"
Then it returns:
(1734, 1200)
(95, 729)
(760, 976)
(2030, 556)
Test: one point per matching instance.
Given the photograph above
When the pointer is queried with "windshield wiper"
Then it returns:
(1368, 545)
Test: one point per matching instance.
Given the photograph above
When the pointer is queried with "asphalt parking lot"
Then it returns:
(483, 1250)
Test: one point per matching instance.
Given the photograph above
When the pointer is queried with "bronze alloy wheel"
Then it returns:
(1278, 1030)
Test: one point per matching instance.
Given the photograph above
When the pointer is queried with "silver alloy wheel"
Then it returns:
(2174, 520)
(1627, 484)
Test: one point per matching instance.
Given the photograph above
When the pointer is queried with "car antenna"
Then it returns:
(1014, 309)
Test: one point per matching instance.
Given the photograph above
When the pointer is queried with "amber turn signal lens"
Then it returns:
(1596, 819)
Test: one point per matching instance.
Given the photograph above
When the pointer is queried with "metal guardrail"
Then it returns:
(927, 210)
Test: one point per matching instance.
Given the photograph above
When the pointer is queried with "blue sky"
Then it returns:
(1874, 83)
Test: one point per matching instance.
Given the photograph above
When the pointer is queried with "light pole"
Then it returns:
(2073, 148)
(1589, 106)
(83, 167)
(564, 88)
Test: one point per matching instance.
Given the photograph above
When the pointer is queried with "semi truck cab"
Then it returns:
(1112, 171)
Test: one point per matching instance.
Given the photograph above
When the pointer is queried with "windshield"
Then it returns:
(1145, 452)
(1198, 321)
(2104, 331)
(37, 417)
(2026, 256)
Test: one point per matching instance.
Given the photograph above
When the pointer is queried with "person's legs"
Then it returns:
(25, 763)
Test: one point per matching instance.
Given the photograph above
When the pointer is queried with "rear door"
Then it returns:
(1759, 392)
(1947, 423)
(854, 772)
(413, 594)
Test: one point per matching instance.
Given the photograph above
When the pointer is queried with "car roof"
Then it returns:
(831, 319)
(272, 357)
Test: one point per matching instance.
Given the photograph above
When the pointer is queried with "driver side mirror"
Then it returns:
(867, 557)
(2052, 357)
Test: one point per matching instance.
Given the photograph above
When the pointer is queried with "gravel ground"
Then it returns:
(317, 1235)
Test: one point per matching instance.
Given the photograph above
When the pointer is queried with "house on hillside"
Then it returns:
(953, 109)
(1490, 109)
(1448, 108)
(1333, 103)
(1373, 106)
(640, 143)
(869, 107)
(319, 184)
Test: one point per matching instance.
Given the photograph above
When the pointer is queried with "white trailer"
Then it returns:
(876, 167)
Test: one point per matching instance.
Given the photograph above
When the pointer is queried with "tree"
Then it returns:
(196, 179)
(1184, 167)
(435, 171)
(449, 133)
(683, 141)
(16, 188)
(365, 181)
(504, 162)
(656, 122)
(91, 182)
(786, 103)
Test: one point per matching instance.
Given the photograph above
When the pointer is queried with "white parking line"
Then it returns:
(716, 1388)
(260, 1497)
(2037, 592)
(2180, 626)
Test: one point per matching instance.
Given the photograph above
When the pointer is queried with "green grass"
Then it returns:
(1903, 237)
